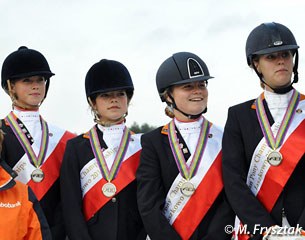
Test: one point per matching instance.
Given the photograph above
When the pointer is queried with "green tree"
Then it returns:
(135, 127)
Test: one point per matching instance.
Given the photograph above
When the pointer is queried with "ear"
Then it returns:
(11, 86)
(256, 65)
(168, 99)
(92, 102)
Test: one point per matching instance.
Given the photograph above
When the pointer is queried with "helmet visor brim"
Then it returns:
(194, 79)
(276, 49)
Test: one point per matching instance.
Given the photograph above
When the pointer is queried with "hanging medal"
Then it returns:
(275, 158)
(37, 175)
(109, 189)
(187, 172)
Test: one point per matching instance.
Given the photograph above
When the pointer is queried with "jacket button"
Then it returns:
(113, 200)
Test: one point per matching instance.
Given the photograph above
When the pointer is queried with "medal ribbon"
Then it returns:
(26, 145)
(275, 142)
(98, 153)
(188, 171)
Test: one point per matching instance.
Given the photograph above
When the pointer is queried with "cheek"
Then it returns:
(99, 104)
(177, 95)
(206, 92)
(125, 103)
(14, 88)
(19, 91)
(290, 65)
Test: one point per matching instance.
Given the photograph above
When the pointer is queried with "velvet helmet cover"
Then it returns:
(106, 76)
(25, 63)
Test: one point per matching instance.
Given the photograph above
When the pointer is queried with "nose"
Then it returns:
(113, 98)
(35, 85)
(199, 88)
(280, 60)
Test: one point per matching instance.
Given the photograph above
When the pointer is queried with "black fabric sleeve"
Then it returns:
(235, 169)
(75, 223)
(45, 230)
(151, 194)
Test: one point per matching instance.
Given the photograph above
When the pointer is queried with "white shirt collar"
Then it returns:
(27, 116)
(275, 100)
(189, 127)
(115, 129)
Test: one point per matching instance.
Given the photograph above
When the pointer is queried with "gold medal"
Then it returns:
(187, 189)
(274, 158)
(37, 175)
(109, 189)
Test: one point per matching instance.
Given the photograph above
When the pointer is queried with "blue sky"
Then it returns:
(73, 35)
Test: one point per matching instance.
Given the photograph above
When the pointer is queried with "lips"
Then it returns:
(35, 94)
(197, 99)
(114, 107)
(282, 70)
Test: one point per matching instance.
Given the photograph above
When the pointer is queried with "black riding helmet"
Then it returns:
(106, 76)
(25, 63)
(268, 38)
(181, 68)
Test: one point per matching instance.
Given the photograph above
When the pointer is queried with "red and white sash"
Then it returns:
(51, 164)
(92, 179)
(267, 182)
(185, 213)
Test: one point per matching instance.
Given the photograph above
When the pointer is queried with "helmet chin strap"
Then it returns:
(189, 116)
(281, 90)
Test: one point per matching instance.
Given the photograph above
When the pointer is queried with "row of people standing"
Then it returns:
(183, 180)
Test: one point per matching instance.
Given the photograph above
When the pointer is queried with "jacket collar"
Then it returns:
(7, 176)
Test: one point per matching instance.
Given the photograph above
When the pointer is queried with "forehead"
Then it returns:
(114, 92)
(277, 52)
(30, 78)
(191, 83)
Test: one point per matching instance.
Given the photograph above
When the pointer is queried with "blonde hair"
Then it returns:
(169, 111)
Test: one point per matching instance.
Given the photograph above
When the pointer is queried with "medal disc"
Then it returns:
(37, 175)
(274, 158)
(187, 189)
(109, 189)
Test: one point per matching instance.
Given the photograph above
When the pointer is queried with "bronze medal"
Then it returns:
(187, 189)
(274, 158)
(37, 175)
(109, 189)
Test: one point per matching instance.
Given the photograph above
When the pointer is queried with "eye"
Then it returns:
(121, 94)
(286, 54)
(41, 79)
(203, 84)
(26, 80)
(103, 95)
(186, 86)
(270, 56)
